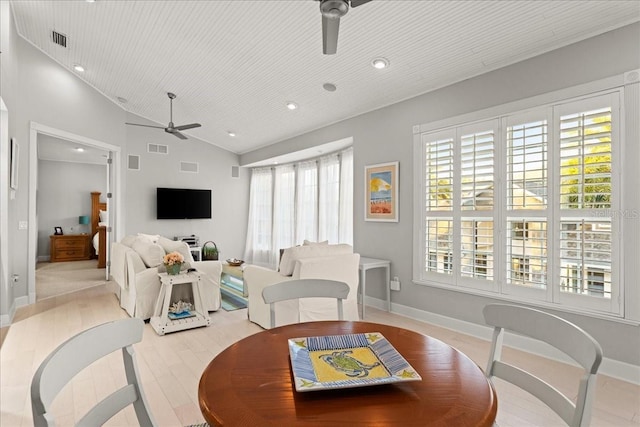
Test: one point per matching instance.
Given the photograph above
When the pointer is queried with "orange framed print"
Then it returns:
(381, 192)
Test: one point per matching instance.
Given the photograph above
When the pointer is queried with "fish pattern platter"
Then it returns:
(346, 361)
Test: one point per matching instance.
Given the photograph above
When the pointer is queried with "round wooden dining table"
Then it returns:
(250, 383)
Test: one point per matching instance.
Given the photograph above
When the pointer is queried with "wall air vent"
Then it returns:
(191, 167)
(133, 162)
(59, 38)
(157, 148)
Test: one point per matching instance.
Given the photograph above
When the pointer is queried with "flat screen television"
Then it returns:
(183, 203)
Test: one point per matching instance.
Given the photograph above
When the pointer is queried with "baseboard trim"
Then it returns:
(611, 367)
(5, 319)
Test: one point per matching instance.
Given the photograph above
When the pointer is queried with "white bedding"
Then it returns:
(96, 238)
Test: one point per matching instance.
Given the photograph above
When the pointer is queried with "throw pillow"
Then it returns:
(178, 246)
(151, 254)
(151, 238)
(308, 243)
(128, 240)
(104, 216)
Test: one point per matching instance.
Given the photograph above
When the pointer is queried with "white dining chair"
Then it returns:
(304, 288)
(557, 332)
(77, 353)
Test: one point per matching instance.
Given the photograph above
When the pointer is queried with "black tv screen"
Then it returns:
(183, 203)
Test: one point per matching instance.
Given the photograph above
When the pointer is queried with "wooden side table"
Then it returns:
(69, 247)
(161, 322)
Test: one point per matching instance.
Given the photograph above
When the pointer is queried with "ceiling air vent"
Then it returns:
(59, 38)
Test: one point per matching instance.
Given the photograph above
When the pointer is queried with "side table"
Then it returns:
(368, 264)
(233, 278)
(161, 322)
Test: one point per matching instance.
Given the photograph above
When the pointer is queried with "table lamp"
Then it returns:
(83, 220)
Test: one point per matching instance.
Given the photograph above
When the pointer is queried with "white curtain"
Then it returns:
(259, 227)
(307, 202)
(329, 198)
(311, 200)
(345, 234)
(284, 192)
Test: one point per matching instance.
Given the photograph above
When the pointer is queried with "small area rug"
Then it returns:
(231, 301)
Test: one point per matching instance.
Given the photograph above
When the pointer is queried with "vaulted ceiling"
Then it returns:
(235, 64)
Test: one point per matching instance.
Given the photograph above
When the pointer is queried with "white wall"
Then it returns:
(386, 135)
(37, 89)
(64, 193)
(9, 208)
(230, 196)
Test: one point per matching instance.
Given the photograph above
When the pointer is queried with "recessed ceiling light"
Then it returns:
(292, 105)
(231, 133)
(79, 68)
(380, 63)
(80, 150)
(329, 87)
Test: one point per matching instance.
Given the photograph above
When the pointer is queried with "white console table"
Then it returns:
(368, 264)
(161, 322)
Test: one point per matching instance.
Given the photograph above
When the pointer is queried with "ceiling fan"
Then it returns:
(332, 11)
(171, 128)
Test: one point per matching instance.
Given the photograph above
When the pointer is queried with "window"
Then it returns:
(311, 200)
(520, 268)
(520, 230)
(447, 263)
(525, 199)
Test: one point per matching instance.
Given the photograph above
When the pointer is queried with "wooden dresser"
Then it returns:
(74, 247)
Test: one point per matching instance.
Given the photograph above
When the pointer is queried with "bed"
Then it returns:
(99, 228)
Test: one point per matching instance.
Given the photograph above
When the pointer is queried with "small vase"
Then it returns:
(173, 269)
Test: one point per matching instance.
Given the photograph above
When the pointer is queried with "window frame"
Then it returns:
(552, 101)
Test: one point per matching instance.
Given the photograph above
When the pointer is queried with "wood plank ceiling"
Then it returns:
(234, 64)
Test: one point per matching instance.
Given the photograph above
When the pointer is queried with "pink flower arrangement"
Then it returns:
(173, 258)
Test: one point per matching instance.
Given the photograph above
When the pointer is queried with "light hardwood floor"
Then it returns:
(171, 366)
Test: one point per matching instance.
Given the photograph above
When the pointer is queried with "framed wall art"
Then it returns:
(381, 192)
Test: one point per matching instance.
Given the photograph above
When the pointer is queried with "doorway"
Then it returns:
(39, 133)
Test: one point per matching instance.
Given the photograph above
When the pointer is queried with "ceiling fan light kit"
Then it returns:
(171, 128)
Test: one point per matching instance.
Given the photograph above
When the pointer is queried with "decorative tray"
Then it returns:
(235, 262)
(346, 361)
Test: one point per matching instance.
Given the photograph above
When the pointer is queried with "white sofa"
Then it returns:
(331, 262)
(135, 262)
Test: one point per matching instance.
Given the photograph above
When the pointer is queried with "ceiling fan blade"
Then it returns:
(178, 134)
(185, 127)
(356, 3)
(146, 126)
(330, 27)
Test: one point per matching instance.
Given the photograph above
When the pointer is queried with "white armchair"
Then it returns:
(342, 266)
